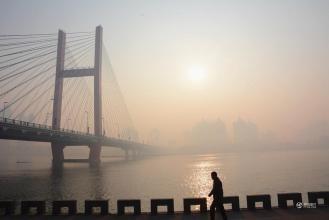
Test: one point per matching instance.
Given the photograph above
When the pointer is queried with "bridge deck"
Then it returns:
(274, 214)
(25, 131)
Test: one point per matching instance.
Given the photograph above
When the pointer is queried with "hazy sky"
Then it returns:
(179, 62)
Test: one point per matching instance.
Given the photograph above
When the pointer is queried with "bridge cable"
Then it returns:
(22, 61)
(28, 50)
(33, 88)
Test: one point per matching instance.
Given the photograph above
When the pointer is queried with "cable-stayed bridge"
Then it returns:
(60, 88)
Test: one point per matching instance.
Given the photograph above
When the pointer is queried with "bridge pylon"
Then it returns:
(61, 73)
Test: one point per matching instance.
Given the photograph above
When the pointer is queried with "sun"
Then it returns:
(196, 74)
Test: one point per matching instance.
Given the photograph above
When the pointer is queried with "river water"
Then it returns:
(174, 176)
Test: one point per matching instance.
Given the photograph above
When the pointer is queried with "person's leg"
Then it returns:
(222, 210)
(218, 209)
(212, 210)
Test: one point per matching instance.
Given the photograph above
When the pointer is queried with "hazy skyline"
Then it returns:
(181, 62)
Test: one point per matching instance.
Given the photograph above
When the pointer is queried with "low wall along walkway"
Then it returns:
(101, 207)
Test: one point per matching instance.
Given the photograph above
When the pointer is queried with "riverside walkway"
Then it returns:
(321, 213)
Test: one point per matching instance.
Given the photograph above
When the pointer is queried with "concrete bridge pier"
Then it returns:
(57, 152)
(130, 154)
(126, 154)
(135, 153)
(95, 154)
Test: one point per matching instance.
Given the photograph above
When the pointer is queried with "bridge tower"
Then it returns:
(96, 72)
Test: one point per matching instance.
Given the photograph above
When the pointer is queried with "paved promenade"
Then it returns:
(274, 214)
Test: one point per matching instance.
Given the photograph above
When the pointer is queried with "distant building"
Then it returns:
(245, 133)
(209, 136)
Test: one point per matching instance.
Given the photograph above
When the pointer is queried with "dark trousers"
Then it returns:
(218, 205)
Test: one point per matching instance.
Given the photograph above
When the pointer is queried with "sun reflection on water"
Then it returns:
(199, 180)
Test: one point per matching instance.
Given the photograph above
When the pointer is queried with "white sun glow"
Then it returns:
(196, 74)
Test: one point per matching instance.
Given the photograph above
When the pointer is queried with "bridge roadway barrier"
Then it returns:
(315, 199)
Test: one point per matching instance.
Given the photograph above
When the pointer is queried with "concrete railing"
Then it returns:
(69, 207)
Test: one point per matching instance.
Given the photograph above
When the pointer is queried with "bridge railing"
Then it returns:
(39, 126)
(23, 123)
(31, 125)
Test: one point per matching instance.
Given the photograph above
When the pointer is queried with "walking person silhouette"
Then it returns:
(217, 193)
